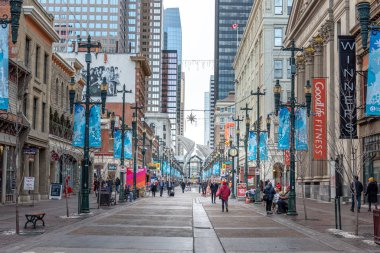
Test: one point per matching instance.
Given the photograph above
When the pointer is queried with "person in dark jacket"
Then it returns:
(161, 185)
(224, 192)
(358, 187)
(268, 197)
(214, 188)
(371, 192)
(183, 186)
(117, 184)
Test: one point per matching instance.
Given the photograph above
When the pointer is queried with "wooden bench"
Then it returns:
(33, 218)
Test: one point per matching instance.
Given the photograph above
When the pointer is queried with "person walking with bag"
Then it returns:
(224, 192)
(268, 197)
(371, 192)
(214, 188)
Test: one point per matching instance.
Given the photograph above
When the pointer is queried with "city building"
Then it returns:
(206, 138)
(230, 20)
(259, 62)
(100, 19)
(161, 126)
(169, 97)
(181, 114)
(151, 45)
(212, 113)
(224, 124)
(129, 25)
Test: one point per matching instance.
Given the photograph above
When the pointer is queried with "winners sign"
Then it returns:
(347, 87)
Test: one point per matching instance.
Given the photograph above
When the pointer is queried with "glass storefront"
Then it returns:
(371, 158)
(10, 174)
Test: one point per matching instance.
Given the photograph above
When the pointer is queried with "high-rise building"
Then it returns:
(207, 118)
(151, 44)
(169, 96)
(180, 148)
(211, 113)
(115, 23)
(230, 20)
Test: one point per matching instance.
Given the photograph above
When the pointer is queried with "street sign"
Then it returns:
(122, 168)
(55, 191)
(112, 166)
(29, 183)
(30, 150)
(257, 171)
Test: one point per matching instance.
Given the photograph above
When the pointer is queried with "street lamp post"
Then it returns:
(143, 151)
(247, 123)
(238, 120)
(258, 93)
(85, 206)
(277, 94)
(232, 152)
(122, 171)
(16, 6)
(135, 138)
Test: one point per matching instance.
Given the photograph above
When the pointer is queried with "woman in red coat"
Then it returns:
(224, 192)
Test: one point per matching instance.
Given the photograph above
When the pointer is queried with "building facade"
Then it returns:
(259, 62)
(206, 137)
(211, 113)
(228, 14)
(224, 124)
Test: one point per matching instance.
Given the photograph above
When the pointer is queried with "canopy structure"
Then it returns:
(189, 146)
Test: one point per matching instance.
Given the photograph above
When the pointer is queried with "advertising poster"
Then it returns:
(140, 177)
(4, 68)
(284, 129)
(117, 144)
(94, 127)
(252, 146)
(300, 129)
(79, 126)
(347, 87)
(373, 82)
(264, 146)
(319, 119)
(128, 144)
(241, 189)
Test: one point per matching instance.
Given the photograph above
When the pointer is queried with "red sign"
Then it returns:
(287, 157)
(319, 119)
(241, 189)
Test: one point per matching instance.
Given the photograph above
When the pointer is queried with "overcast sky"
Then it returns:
(197, 19)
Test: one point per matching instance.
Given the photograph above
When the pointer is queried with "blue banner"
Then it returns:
(252, 146)
(300, 129)
(263, 146)
(94, 127)
(128, 145)
(216, 169)
(284, 129)
(117, 144)
(79, 126)
(164, 168)
(373, 82)
(4, 68)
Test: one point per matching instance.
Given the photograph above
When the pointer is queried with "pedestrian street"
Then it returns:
(186, 222)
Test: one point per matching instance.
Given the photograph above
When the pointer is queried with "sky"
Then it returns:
(197, 20)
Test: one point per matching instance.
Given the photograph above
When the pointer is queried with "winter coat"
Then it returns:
(269, 191)
(358, 186)
(371, 192)
(214, 187)
(224, 192)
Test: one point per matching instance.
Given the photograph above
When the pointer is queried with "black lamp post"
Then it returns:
(233, 152)
(277, 94)
(363, 9)
(136, 140)
(14, 20)
(85, 205)
(247, 124)
(143, 151)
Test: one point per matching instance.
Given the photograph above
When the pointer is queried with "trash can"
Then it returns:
(376, 224)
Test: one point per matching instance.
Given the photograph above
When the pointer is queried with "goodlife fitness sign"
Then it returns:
(319, 119)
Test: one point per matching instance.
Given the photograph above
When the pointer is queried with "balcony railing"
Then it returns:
(61, 131)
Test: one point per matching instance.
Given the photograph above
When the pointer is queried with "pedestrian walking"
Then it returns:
(117, 184)
(357, 186)
(214, 188)
(204, 188)
(224, 192)
(268, 197)
(169, 186)
(183, 186)
(154, 188)
(371, 192)
(161, 185)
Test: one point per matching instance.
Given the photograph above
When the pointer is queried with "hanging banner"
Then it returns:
(79, 126)
(217, 169)
(287, 157)
(372, 107)
(284, 129)
(252, 146)
(319, 119)
(94, 127)
(264, 146)
(347, 87)
(128, 144)
(300, 129)
(4, 68)
(117, 144)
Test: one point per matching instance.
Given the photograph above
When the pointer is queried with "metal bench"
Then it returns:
(33, 218)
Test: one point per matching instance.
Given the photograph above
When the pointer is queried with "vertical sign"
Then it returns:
(117, 144)
(128, 145)
(347, 87)
(252, 146)
(94, 127)
(264, 146)
(79, 126)
(3, 68)
(287, 157)
(372, 107)
(284, 129)
(301, 129)
(319, 119)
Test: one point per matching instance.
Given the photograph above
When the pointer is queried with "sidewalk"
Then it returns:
(321, 218)
(55, 217)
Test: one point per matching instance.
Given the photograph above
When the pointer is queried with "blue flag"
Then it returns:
(300, 129)
(284, 129)
(252, 146)
(373, 82)
(4, 68)
(79, 126)
(94, 127)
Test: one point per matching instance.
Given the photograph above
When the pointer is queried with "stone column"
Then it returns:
(4, 175)
(24, 195)
(36, 175)
(44, 181)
